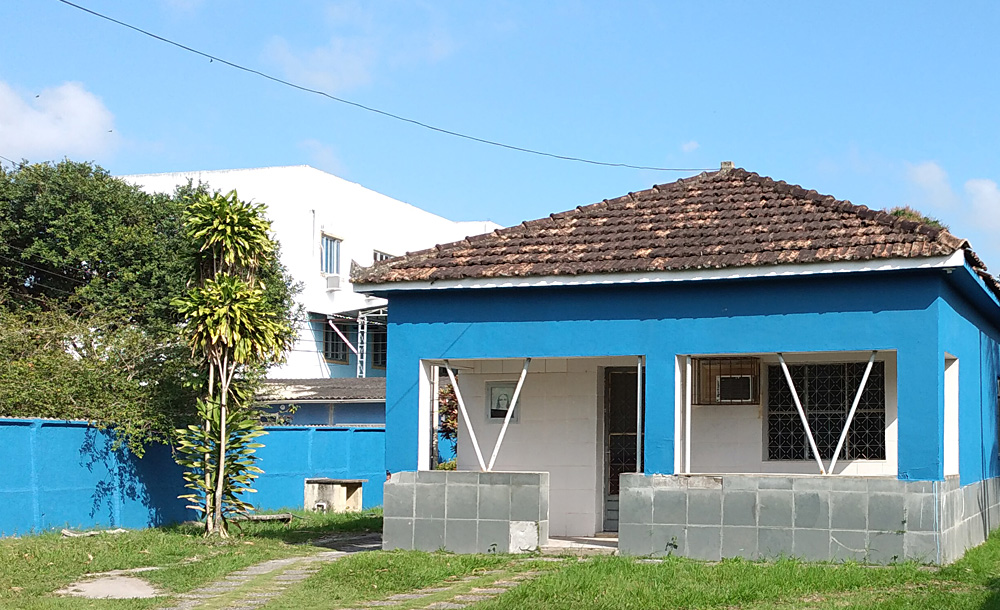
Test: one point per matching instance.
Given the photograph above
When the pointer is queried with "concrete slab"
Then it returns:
(111, 587)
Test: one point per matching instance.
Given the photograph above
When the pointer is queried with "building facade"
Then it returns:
(721, 366)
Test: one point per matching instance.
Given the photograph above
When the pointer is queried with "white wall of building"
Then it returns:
(731, 439)
(560, 430)
(303, 203)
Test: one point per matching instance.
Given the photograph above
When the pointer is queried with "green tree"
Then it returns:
(74, 237)
(236, 331)
(89, 268)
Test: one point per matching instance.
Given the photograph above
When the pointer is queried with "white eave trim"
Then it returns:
(956, 259)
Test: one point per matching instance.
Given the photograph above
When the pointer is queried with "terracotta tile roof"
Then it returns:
(343, 389)
(726, 218)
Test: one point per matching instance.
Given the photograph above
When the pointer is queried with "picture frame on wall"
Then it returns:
(499, 395)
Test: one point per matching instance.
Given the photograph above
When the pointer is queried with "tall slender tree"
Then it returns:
(236, 330)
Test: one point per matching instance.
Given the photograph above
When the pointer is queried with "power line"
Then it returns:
(376, 110)
(17, 262)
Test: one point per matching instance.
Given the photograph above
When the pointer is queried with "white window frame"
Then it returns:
(330, 264)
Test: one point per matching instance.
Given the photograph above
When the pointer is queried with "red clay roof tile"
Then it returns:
(728, 218)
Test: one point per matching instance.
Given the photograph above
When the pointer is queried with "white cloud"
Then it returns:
(364, 39)
(984, 196)
(342, 64)
(932, 185)
(690, 146)
(324, 157)
(60, 121)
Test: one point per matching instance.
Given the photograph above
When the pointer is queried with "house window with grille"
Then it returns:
(377, 344)
(380, 256)
(826, 392)
(334, 347)
(330, 255)
(726, 381)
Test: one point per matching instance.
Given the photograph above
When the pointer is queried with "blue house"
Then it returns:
(725, 365)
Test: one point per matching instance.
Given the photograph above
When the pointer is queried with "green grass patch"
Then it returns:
(371, 576)
(34, 566)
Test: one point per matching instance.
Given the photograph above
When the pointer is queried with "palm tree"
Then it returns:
(229, 324)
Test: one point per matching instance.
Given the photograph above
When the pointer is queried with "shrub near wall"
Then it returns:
(56, 474)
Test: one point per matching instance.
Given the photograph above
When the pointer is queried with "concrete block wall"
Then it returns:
(466, 512)
(968, 515)
(871, 519)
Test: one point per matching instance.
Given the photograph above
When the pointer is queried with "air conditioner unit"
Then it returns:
(332, 283)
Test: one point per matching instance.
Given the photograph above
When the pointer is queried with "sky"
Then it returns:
(884, 103)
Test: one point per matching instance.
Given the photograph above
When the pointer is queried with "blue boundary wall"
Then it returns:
(56, 474)
(919, 314)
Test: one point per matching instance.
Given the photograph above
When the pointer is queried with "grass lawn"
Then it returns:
(34, 566)
(31, 568)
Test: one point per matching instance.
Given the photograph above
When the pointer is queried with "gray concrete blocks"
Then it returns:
(704, 542)
(869, 519)
(670, 506)
(466, 512)
(812, 510)
(739, 508)
(775, 507)
(849, 511)
(739, 542)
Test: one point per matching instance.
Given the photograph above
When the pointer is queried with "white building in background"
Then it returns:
(323, 223)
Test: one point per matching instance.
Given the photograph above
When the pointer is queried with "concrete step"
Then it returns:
(578, 550)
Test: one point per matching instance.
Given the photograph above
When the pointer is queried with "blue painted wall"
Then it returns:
(56, 474)
(967, 332)
(887, 311)
(294, 453)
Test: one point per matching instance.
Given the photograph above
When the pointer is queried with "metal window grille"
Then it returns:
(726, 381)
(826, 391)
(334, 348)
(380, 256)
(377, 341)
(330, 255)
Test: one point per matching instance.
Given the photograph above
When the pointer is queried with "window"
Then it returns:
(380, 256)
(377, 344)
(726, 381)
(330, 255)
(334, 348)
(826, 392)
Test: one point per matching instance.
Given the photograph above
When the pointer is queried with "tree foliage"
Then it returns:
(76, 238)
(89, 269)
(448, 412)
(57, 365)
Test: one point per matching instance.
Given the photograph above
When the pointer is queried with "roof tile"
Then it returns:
(728, 218)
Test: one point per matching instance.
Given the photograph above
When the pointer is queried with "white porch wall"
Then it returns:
(560, 431)
(730, 439)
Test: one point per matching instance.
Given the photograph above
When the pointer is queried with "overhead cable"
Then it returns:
(376, 110)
